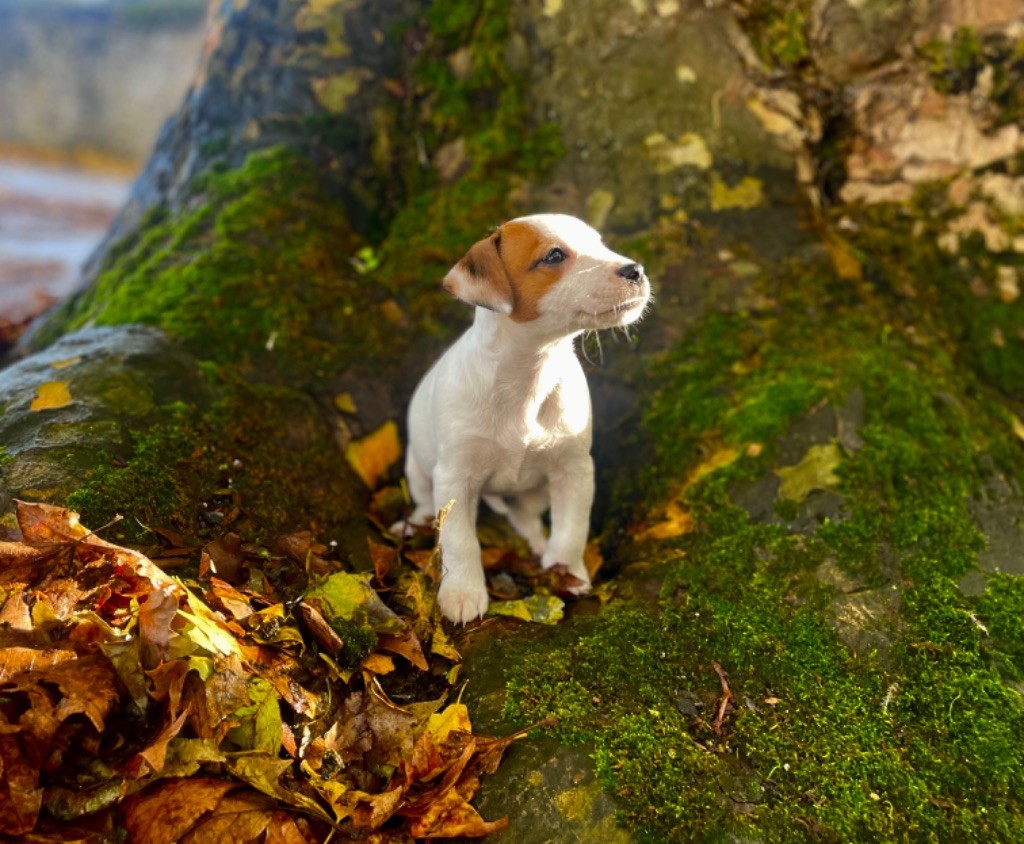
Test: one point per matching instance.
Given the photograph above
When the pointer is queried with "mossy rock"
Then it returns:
(76, 405)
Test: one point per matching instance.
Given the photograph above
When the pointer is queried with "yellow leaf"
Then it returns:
(677, 521)
(542, 609)
(592, 558)
(846, 264)
(815, 471)
(722, 457)
(749, 193)
(372, 456)
(61, 364)
(441, 645)
(1017, 425)
(51, 395)
(345, 403)
(453, 717)
(379, 664)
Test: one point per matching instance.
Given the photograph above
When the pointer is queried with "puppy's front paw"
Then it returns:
(461, 599)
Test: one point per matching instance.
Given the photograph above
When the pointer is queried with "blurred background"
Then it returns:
(84, 87)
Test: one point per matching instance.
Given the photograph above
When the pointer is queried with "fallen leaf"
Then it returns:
(592, 558)
(168, 811)
(239, 816)
(385, 560)
(224, 558)
(303, 548)
(718, 459)
(345, 403)
(1017, 425)
(20, 796)
(350, 597)
(377, 663)
(373, 455)
(845, 261)
(542, 609)
(442, 645)
(391, 725)
(14, 660)
(815, 471)
(405, 644)
(51, 395)
(675, 521)
(451, 816)
(155, 616)
(320, 630)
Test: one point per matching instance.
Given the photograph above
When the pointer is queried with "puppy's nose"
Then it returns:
(633, 273)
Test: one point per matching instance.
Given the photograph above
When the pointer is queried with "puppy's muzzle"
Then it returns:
(633, 273)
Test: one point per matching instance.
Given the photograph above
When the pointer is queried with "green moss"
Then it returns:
(917, 741)
(482, 108)
(359, 640)
(954, 65)
(779, 28)
(257, 275)
(260, 457)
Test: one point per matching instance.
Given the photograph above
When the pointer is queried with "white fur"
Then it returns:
(505, 416)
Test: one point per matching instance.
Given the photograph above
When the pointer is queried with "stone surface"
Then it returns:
(115, 380)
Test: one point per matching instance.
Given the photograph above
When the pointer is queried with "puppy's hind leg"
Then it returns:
(421, 488)
(524, 512)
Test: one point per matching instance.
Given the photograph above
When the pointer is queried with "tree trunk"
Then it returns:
(809, 460)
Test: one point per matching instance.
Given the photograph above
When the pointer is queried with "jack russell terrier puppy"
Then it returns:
(504, 415)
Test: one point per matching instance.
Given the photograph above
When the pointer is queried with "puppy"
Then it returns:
(504, 415)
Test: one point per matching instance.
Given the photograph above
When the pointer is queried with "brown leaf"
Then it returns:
(241, 817)
(304, 549)
(151, 760)
(285, 829)
(232, 601)
(155, 616)
(88, 686)
(404, 644)
(171, 809)
(450, 816)
(48, 523)
(319, 629)
(168, 682)
(385, 560)
(224, 558)
(20, 798)
(15, 660)
(392, 726)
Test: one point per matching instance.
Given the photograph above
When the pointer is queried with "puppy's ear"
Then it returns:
(481, 278)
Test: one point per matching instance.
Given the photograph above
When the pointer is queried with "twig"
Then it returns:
(716, 725)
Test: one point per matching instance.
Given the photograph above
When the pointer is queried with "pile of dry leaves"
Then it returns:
(205, 711)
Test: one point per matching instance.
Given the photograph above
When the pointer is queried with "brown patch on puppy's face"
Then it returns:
(523, 249)
(506, 272)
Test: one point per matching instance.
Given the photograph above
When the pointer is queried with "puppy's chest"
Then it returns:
(522, 451)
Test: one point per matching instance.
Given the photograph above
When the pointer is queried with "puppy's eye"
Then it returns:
(555, 256)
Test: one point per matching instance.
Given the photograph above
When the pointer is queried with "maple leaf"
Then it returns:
(171, 809)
